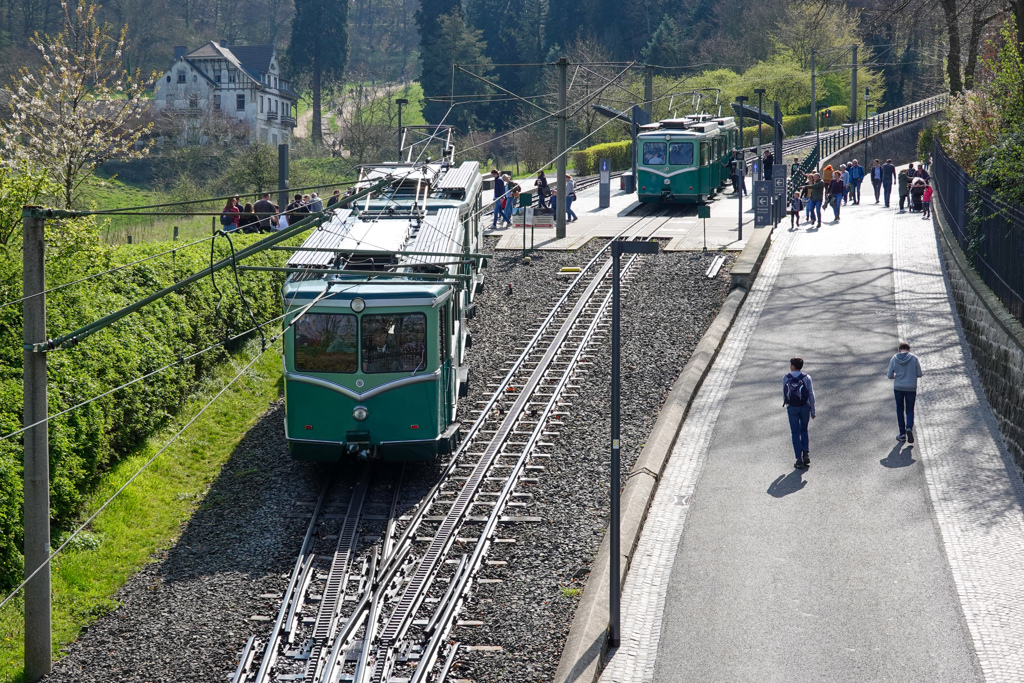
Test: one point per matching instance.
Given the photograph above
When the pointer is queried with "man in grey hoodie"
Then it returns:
(905, 368)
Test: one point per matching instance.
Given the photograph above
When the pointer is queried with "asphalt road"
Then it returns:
(835, 573)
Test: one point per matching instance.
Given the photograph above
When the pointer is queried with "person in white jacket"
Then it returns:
(904, 369)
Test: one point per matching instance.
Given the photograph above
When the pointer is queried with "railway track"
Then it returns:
(375, 593)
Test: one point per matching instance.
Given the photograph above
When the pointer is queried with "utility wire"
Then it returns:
(167, 445)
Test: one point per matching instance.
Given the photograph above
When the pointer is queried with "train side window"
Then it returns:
(680, 154)
(442, 334)
(703, 154)
(654, 153)
(326, 342)
(394, 342)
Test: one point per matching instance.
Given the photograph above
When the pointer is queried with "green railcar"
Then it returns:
(684, 160)
(375, 356)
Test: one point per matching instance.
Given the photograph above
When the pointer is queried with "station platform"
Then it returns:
(883, 561)
(684, 230)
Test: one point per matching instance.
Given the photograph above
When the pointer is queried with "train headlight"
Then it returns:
(360, 413)
(667, 181)
(358, 305)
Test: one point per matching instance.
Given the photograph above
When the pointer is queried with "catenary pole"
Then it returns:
(649, 92)
(282, 176)
(563, 67)
(853, 87)
(37, 455)
(814, 112)
(760, 112)
(740, 168)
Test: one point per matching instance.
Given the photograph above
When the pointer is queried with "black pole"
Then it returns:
(760, 113)
(614, 597)
(741, 180)
(614, 584)
(282, 176)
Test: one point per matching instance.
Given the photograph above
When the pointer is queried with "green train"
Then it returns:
(375, 361)
(685, 160)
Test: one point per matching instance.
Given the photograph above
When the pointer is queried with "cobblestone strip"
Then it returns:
(973, 485)
(643, 600)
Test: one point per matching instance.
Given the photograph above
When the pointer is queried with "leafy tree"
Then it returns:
(254, 168)
(81, 107)
(28, 185)
(319, 49)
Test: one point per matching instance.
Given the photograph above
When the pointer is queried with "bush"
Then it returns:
(620, 153)
(86, 442)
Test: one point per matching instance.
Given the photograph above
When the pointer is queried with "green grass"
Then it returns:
(104, 193)
(148, 516)
(412, 113)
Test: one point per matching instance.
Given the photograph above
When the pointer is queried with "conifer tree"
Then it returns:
(319, 49)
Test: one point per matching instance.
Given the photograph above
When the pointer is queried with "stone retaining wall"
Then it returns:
(995, 337)
(898, 144)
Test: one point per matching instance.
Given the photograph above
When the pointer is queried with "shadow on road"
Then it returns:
(899, 457)
(787, 484)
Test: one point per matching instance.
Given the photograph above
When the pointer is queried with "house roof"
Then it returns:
(254, 57)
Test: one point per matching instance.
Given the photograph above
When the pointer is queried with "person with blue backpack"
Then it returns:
(798, 399)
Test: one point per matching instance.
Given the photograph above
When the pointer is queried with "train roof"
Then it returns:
(399, 243)
(407, 293)
(435, 180)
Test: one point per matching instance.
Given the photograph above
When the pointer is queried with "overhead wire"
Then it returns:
(160, 452)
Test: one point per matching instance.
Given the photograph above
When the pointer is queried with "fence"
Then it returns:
(850, 134)
(992, 238)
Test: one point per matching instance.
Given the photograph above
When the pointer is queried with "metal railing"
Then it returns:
(835, 141)
(989, 231)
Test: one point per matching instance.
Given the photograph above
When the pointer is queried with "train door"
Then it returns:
(446, 388)
(705, 168)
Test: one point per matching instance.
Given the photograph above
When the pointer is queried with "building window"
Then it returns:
(181, 77)
(168, 78)
(240, 102)
(275, 81)
(193, 101)
(217, 77)
(195, 78)
(261, 104)
(216, 102)
(231, 75)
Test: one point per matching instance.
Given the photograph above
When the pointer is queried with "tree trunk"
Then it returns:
(956, 85)
(972, 49)
(1018, 12)
(317, 133)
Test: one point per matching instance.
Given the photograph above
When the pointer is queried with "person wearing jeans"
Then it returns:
(816, 190)
(570, 197)
(904, 369)
(798, 398)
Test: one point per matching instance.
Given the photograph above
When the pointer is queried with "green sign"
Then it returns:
(703, 212)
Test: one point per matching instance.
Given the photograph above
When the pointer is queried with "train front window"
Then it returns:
(654, 153)
(326, 342)
(680, 154)
(394, 342)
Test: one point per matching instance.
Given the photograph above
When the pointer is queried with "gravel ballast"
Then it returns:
(187, 615)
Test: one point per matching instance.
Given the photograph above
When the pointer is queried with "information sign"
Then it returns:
(605, 189)
(762, 203)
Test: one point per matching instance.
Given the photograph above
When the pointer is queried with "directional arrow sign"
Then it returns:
(762, 201)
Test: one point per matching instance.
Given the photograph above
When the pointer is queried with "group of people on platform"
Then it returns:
(507, 193)
(836, 188)
(266, 216)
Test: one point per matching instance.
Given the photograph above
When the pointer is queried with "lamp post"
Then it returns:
(401, 101)
(741, 181)
(619, 247)
(760, 164)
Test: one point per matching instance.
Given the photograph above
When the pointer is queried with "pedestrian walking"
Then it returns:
(926, 202)
(796, 205)
(876, 178)
(835, 193)
(856, 178)
(229, 216)
(508, 202)
(826, 173)
(543, 190)
(903, 183)
(499, 195)
(768, 162)
(888, 176)
(264, 211)
(922, 173)
(904, 369)
(816, 188)
(570, 197)
(798, 399)
(844, 175)
(739, 172)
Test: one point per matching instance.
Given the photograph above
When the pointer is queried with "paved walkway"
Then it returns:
(883, 561)
(684, 230)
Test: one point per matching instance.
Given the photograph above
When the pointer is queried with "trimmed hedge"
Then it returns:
(621, 154)
(797, 124)
(87, 441)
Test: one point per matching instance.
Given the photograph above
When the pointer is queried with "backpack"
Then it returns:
(795, 391)
(227, 219)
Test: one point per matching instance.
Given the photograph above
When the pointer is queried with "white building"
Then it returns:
(241, 82)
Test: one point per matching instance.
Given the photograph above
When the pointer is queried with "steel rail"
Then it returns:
(449, 605)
